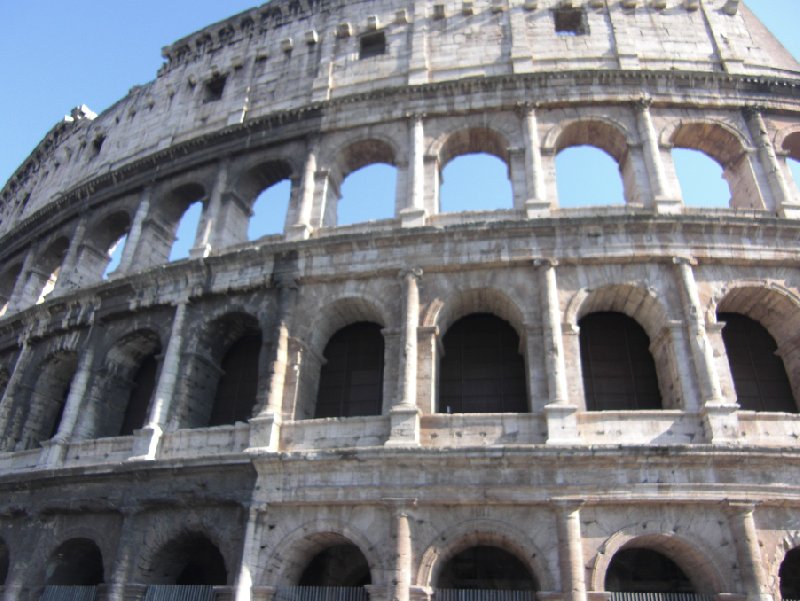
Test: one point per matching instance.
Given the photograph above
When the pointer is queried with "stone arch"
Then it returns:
(694, 559)
(472, 140)
(8, 282)
(728, 147)
(182, 552)
(787, 140)
(253, 178)
(75, 562)
(443, 313)
(776, 308)
(95, 249)
(299, 546)
(482, 532)
(201, 370)
(47, 269)
(168, 205)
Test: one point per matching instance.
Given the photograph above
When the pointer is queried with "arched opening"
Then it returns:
(8, 281)
(726, 149)
(48, 397)
(115, 255)
(351, 380)
(701, 178)
(475, 172)
(189, 560)
(587, 176)
(49, 268)
(645, 571)
(144, 386)
(593, 166)
(791, 145)
(618, 370)
(789, 575)
(759, 375)
(5, 561)
(269, 210)
(368, 194)
(482, 370)
(338, 565)
(186, 232)
(237, 387)
(475, 182)
(485, 568)
(101, 250)
(77, 562)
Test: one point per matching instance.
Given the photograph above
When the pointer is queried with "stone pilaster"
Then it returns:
(536, 202)
(748, 550)
(67, 277)
(413, 215)
(132, 251)
(250, 554)
(570, 549)
(210, 230)
(661, 200)
(400, 583)
(302, 226)
(9, 407)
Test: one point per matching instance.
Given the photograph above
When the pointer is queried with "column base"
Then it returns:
(562, 424)
(790, 210)
(412, 217)
(265, 433)
(668, 206)
(300, 231)
(721, 421)
(53, 452)
(537, 208)
(145, 443)
(404, 427)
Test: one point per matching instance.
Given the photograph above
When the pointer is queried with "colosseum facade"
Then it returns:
(540, 402)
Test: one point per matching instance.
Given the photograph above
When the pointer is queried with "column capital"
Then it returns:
(740, 508)
(416, 116)
(545, 262)
(400, 504)
(691, 261)
(643, 102)
(753, 110)
(407, 273)
(525, 107)
(567, 504)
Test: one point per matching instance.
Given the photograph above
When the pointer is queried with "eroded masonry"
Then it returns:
(506, 405)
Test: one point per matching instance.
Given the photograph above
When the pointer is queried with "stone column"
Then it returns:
(14, 389)
(784, 202)
(67, 276)
(405, 413)
(127, 553)
(55, 449)
(570, 549)
(131, 253)
(719, 414)
(147, 439)
(302, 226)
(210, 230)
(265, 427)
(413, 215)
(400, 583)
(748, 550)
(17, 300)
(536, 202)
(659, 187)
(249, 565)
(562, 424)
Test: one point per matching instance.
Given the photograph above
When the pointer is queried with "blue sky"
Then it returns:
(57, 55)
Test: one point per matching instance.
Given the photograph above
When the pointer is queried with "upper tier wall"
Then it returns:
(292, 53)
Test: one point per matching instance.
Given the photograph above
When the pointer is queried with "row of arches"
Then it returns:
(192, 560)
(198, 212)
(483, 367)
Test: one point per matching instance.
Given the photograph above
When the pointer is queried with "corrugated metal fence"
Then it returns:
(661, 597)
(166, 592)
(321, 593)
(69, 593)
(452, 594)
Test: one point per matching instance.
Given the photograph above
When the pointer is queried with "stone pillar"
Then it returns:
(17, 300)
(67, 276)
(570, 549)
(536, 201)
(405, 413)
(719, 414)
(659, 187)
(147, 439)
(128, 549)
(748, 550)
(265, 427)
(302, 226)
(413, 215)
(14, 390)
(249, 565)
(131, 253)
(55, 449)
(400, 583)
(784, 202)
(210, 230)
(562, 424)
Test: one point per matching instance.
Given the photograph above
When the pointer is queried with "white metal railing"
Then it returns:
(321, 593)
(170, 592)
(457, 594)
(69, 593)
(661, 597)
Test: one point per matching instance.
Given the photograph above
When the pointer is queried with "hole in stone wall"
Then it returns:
(372, 44)
(475, 182)
(367, 194)
(701, 179)
(587, 176)
(77, 562)
(645, 571)
(213, 88)
(269, 210)
(186, 232)
(570, 21)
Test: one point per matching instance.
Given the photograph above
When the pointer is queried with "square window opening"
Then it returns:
(373, 44)
(213, 88)
(571, 21)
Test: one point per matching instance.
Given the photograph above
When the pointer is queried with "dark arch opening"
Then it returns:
(619, 373)
(77, 562)
(759, 375)
(486, 568)
(8, 282)
(144, 385)
(645, 571)
(4, 562)
(789, 575)
(49, 395)
(237, 388)
(351, 380)
(191, 559)
(338, 565)
(482, 370)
